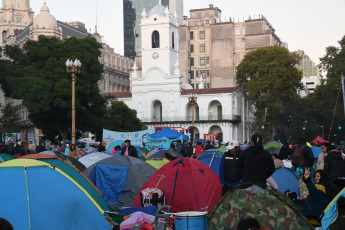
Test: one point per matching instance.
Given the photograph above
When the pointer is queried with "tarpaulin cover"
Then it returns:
(169, 133)
(286, 179)
(110, 180)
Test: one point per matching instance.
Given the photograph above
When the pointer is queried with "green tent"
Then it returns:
(6, 157)
(222, 149)
(273, 144)
(271, 208)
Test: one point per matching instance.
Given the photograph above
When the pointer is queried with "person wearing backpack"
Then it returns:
(302, 156)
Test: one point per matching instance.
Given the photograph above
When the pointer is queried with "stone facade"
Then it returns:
(213, 49)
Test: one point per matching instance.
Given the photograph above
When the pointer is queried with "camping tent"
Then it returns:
(211, 158)
(157, 163)
(92, 158)
(119, 179)
(190, 185)
(286, 179)
(161, 154)
(320, 140)
(44, 197)
(71, 160)
(331, 211)
(272, 209)
(169, 133)
(74, 173)
(6, 157)
(316, 152)
(273, 144)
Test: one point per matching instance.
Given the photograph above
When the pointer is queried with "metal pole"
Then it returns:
(73, 107)
(193, 119)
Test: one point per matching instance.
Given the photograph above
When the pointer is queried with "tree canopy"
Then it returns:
(36, 73)
(9, 120)
(271, 80)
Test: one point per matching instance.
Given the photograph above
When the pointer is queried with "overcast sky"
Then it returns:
(309, 25)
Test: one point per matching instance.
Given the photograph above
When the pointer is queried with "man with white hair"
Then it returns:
(229, 175)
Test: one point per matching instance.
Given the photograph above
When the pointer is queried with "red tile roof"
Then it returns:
(210, 90)
(118, 94)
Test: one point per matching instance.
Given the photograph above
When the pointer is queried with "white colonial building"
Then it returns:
(161, 99)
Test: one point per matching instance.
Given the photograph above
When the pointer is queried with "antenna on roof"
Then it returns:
(96, 19)
(160, 2)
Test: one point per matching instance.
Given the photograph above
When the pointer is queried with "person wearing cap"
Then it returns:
(229, 175)
(257, 163)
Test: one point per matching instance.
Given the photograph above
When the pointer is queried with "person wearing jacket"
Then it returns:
(257, 163)
(198, 149)
(285, 152)
(335, 167)
(321, 159)
(322, 178)
(129, 150)
(229, 175)
(316, 201)
(308, 156)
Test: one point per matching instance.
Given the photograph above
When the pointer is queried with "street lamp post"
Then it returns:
(74, 68)
(193, 98)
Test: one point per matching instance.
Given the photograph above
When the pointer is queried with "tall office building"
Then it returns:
(132, 10)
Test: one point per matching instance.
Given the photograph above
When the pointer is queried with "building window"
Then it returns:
(207, 22)
(237, 45)
(243, 30)
(202, 48)
(202, 73)
(197, 73)
(173, 40)
(208, 73)
(244, 44)
(202, 35)
(191, 74)
(237, 30)
(192, 48)
(191, 61)
(155, 39)
(207, 60)
(191, 35)
(196, 23)
(202, 60)
(19, 20)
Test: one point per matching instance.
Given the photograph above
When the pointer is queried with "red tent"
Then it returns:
(190, 185)
(319, 139)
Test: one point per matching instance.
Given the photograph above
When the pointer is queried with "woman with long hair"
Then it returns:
(73, 152)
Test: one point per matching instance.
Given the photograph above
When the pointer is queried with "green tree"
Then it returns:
(121, 118)
(326, 95)
(9, 120)
(37, 74)
(271, 80)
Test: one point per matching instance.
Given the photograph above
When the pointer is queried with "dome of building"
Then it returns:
(45, 19)
(158, 9)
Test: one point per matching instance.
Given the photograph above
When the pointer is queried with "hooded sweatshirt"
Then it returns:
(334, 165)
(257, 165)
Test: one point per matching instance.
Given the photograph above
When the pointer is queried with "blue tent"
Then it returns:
(169, 133)
(316, 152)
(200, 140)
(211, 158)
(286, 179)
(331, 211)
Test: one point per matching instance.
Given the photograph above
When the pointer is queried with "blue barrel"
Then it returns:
(191, 220)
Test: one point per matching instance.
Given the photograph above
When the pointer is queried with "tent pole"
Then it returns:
(27, 196)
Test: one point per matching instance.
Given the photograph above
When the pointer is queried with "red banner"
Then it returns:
(210, 136)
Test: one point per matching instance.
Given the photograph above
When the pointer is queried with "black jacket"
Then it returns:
(132, 151)
(334, 165)
(284, 152)
(307, 155)
(231, 173)
(186, 151)
(257, 165)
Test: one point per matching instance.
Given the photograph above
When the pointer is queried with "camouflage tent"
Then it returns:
(271, 208)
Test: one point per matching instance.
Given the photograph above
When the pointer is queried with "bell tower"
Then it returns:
(160, 40)
(15, 15)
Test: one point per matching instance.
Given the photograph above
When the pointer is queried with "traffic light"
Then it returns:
(339, 127)
(303, 127)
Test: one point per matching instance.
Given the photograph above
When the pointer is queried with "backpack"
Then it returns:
(297, 157)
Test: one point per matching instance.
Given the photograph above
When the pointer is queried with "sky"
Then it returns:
(309, 25)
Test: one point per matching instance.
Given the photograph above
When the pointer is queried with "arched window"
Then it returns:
(155, 39)
(173, 40)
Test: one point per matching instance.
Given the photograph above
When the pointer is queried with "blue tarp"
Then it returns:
(286, 179)
(110, 187)
(200, 140)
(331, 213)
(169, 133)
(207, 156)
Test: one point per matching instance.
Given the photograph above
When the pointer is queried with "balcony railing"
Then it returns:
(231, 118)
